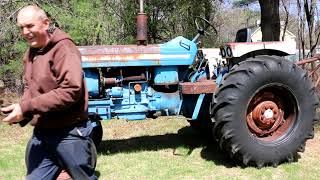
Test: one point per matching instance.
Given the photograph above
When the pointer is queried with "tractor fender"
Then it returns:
(251, 49)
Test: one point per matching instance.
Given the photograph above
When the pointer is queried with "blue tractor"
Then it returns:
(258, 106)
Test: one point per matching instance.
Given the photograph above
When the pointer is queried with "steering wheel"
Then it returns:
(204, 26)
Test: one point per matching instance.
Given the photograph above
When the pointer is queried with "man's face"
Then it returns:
(33, 29)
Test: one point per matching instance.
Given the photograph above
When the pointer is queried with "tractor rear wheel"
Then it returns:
(264, 111)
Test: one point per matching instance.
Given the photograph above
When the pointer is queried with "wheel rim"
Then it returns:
(271, 113)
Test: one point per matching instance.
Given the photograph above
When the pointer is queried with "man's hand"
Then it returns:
(15, 114)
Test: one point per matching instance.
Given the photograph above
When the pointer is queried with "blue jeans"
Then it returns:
(50, 151)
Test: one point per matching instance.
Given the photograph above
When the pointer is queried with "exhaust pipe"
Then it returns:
(142, 26)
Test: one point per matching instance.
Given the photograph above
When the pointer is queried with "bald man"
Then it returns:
(55, 101)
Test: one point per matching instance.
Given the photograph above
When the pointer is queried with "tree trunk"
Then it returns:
(310, 12)
(286, 20)
(301, 32)
(270, 20)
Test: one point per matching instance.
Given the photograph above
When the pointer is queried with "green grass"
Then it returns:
(163, 148)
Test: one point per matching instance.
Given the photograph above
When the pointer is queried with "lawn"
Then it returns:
(162, 148)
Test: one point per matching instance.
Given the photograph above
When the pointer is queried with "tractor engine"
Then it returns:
(132, 82)
(130, 93)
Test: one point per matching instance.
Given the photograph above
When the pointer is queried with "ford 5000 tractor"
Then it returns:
(258, 106)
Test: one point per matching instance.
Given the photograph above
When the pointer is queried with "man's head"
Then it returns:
(34, 23)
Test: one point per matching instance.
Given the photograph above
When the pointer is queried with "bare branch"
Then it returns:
(286, 20)
(8, 18)
(316, 43)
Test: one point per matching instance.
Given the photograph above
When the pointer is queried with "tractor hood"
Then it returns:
(179, 51)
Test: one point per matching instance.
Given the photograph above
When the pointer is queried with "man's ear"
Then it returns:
(46, 23)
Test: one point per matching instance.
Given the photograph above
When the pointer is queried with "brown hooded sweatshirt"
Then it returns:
(55, 94)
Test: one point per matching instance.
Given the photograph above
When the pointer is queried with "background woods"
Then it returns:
(98, 22)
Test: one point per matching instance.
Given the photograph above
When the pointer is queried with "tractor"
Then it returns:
(258, 106)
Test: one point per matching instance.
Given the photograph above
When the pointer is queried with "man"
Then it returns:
(56, 99)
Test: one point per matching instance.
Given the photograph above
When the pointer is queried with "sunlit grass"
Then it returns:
(163, 148)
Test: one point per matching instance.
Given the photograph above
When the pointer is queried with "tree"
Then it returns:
(98, 22)
(270, 20)
(286, 18)
(301, 30)
(309, 8)
(166, 18)
(242, 3)
(308, 32)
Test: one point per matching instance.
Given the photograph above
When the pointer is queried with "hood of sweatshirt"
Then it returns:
(56, 35)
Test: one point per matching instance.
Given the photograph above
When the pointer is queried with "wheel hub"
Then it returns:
(265, 118)
(268, 113)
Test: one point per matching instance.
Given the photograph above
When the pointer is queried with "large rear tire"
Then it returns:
(264, 111)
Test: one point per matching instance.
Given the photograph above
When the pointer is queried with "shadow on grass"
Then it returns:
(186, 138)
